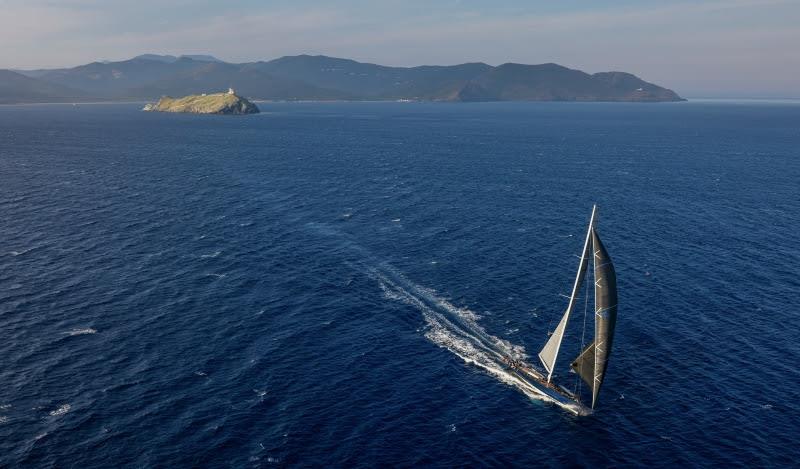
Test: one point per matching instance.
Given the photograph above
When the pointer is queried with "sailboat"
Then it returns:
(592, 362)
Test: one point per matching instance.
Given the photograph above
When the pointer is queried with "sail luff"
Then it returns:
(549, 352)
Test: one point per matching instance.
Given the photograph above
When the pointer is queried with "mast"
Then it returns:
(549, 352)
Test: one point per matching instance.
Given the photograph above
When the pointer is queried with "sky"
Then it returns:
(700, 48)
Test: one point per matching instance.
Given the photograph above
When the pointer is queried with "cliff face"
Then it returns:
(218, 103)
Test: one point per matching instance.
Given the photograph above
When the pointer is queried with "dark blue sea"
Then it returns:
(326, 284)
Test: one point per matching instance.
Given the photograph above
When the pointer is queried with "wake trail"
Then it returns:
(450, 327)
(454, 329)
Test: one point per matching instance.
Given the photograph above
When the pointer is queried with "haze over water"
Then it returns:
(331, 284)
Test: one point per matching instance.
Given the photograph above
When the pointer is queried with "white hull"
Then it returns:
(537, 383)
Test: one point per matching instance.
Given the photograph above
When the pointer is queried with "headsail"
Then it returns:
(549, 352)
(584, 365)
(591, 364)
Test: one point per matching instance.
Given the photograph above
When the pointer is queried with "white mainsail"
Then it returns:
(549, 352)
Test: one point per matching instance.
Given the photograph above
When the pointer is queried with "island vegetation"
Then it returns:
(215, 103)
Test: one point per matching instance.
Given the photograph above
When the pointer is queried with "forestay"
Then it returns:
(549, 352)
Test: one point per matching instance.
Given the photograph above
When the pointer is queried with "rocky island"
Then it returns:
(217, 103)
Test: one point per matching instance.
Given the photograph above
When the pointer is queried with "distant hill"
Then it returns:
(172, 58)
(220, 76)
(306, 77)
(18, 88)
(553, 82)
(369, 81)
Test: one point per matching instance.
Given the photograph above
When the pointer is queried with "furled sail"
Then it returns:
(591, 364)
(549, 352)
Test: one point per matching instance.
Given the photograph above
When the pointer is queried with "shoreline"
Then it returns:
(696, 100)
(398, 101)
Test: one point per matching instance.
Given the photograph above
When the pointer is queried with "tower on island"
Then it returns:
(230, 91)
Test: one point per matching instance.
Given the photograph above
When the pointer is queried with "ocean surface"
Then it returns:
(332, 284)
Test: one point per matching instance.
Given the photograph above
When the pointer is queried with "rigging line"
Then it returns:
(583, 332)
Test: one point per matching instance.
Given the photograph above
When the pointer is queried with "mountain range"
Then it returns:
(306, 77)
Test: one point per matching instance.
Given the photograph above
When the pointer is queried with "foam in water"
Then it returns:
(61, 410)
(455, 329)
(85, 331)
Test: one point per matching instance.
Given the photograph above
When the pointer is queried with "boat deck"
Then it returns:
(537, 382)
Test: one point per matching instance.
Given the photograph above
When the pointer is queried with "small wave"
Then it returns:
(217, 275)
(88, 330)
(3, 419)
(210, 256)
(201, 373)
(61, 410)
(5, 406)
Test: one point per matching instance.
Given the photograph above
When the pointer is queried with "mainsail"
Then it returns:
(549, 352)
(591, 364)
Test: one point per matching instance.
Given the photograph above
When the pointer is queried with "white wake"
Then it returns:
(448, 326)
(455, 329)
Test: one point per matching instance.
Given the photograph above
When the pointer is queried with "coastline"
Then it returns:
(695, 100)
(322, 101)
